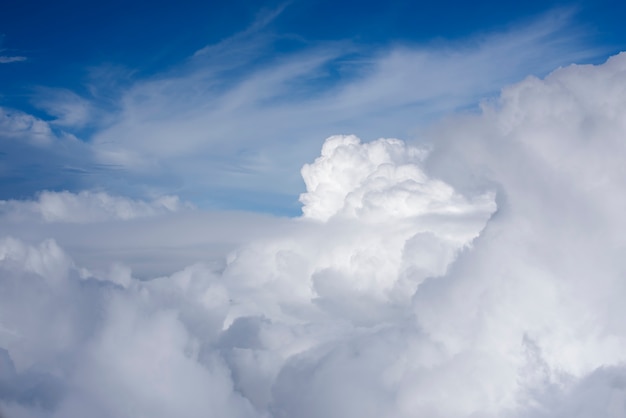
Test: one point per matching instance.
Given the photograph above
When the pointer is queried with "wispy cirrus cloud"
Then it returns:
(238, 118)
(7, 59)
(249, 129)
(35, 156)
(68, 108)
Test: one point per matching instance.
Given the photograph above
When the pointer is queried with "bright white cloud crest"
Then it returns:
(402, 291)
(376, 181)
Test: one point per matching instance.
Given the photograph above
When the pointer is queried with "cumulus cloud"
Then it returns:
(480, 276)
(376, 180)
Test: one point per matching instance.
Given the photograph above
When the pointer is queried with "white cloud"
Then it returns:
(69, 109)
(16, 125)
(378, 180)
(548, 266)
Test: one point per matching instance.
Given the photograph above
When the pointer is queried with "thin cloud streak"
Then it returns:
(5, 59)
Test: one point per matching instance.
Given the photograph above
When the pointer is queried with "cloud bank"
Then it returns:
(478, 277)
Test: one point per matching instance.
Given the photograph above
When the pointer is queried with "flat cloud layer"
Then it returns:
(481, 277)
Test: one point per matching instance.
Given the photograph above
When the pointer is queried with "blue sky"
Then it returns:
(222, 103)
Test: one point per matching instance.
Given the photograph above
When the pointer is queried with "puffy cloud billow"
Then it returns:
(481, 276)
